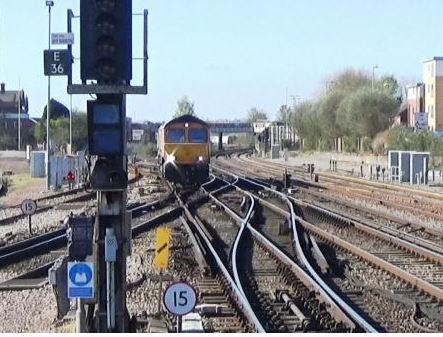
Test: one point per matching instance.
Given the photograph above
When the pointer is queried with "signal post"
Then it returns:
(106, 56)
(107, 141)
(106, 71)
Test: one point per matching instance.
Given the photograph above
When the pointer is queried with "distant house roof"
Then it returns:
(58, 110)
(435, 58)
(401, 109)
(9, 100)
(140, 126)
(419, 84)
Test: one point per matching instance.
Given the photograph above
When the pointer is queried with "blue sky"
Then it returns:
(230, 55)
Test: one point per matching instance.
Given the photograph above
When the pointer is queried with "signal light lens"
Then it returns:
(106, 46)
(106, 5)
(107, 69)
(106, 24)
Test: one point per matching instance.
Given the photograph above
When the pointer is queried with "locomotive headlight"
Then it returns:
(170, 158)
(200, 158)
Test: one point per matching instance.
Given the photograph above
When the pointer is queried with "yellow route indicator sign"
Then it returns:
(163, 237)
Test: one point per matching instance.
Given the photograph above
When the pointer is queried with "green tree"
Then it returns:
(40, 132)
(366, 112)
(350, 109)
(79, 130)
(350, 80)
(184, 107)
(327, 115)
(59, 131)
(284, 114)
(7, 142)
(255, 114)
(389, 85)
(305, 122)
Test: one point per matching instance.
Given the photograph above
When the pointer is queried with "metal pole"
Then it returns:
(48, 108)
(373, 75)
(179, 324)
(80, 319)
(160, 293)
(19, 110)
(70, 125)
(286, 100)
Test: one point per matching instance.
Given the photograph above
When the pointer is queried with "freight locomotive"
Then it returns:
(184, 148)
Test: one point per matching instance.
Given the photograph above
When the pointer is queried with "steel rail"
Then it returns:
(243, 224)
(330, 293)
(402, 274)
(13, 218)
(44, 243)
(54, 238)
(393, 231)
(405, 243)
(234, 255)
(356, 180)
(243, 303)
(301, 274)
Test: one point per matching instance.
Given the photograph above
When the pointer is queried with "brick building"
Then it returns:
(14, 107)
(415, 101)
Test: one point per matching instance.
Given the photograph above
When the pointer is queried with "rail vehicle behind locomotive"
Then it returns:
(184, 150)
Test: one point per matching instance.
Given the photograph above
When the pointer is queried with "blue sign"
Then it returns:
(80, 280)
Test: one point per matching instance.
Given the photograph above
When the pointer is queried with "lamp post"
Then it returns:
(70, 124)
(49, 4)
(295, 100)
(373, 73)
(19, 112)
(328, 86)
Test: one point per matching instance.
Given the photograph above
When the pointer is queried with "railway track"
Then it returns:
(265, 262)
(425, 203)
(262, 284)
(221, 307)
(58, 200)
(398, 283)
(386, 219)
(37, 252)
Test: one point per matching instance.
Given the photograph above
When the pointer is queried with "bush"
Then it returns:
(148, 150)
(350, 144)
(401, 138)
(5, 183)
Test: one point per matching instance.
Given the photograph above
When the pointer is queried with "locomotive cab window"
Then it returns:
(176, 135)
(199, 135)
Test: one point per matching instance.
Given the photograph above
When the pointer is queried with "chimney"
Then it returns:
(2, 87)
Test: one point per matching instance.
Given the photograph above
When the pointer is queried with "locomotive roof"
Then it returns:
(185, 119)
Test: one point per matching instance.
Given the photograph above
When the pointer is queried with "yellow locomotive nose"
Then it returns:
(187, 153)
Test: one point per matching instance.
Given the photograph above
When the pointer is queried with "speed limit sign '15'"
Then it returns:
(28, 206)
(179, 298)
